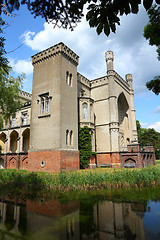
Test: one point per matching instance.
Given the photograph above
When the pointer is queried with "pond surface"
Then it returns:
(101, 216)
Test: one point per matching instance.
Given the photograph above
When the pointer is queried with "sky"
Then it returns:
(132, 54)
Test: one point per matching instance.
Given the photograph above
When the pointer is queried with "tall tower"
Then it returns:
(54, 116)
(113, 110)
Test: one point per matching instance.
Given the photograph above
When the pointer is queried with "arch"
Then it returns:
(25, 163)
(71, 137)
(67, 77)
(129, 163)
(13, 141)
(13, 163)
(67, 136)
(123, 108)
(70, 79)
(85, 111)
(25, 140)
(2, 141)
(1, 163)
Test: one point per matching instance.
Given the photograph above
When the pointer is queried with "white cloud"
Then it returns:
(20, 66)
(132, 52)
(143, 124)
(155, 125)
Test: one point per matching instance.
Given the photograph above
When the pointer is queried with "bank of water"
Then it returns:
(126, 214)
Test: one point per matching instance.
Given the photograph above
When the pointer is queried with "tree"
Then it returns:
(149, 137)
(152, 33)
(102, 14)
(84, 145)
(9, 86)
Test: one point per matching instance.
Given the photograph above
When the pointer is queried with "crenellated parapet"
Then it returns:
(83, 80)
(99, 82)
(25, 95)
(57, 49)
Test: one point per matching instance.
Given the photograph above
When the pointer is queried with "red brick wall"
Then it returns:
(12, 162)
(103, 158)
(70, 160)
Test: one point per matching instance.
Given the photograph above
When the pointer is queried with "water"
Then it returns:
(102, 215)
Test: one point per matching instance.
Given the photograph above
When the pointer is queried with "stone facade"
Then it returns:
(43, 136)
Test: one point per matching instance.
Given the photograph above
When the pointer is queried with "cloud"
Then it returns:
(157, 110)
(22, 66)
(132, 52)
(155, 125)
(143, 124)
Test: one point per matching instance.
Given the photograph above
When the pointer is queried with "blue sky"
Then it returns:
(132, 54)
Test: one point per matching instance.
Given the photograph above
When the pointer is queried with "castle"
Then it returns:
(43, 136)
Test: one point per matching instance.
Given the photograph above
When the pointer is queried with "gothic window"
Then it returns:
(67, 135)
(67, 77)
(84, 111)
(70, 79)
(71, 137)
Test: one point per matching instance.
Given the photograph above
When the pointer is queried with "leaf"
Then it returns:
(99, 28)
(106, 29)
(147, 4)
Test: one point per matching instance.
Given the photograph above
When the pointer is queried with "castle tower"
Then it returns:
(129, 79)
(113, 110)
(54, 117)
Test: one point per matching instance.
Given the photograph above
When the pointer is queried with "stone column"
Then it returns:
(113, 110)
(129, 79)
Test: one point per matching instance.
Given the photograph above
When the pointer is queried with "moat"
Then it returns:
(98, 215)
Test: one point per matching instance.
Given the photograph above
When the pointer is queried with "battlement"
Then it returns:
(83, 80)
(59, 48)
(25, 95)
(99, 81)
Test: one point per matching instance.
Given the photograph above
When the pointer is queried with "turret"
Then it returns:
(129, 79)
(109, 60)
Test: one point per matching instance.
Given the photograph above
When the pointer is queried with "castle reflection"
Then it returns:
(75, 220)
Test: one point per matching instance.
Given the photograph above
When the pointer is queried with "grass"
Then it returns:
(157, 161)
(99, 178)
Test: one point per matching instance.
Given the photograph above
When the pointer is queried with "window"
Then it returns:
(84, 110)
(44, 103)
(67, 135)
(25, 119)
(91, 112)
(71, 137)
(69, 78)
(13, 121)
(47, 104)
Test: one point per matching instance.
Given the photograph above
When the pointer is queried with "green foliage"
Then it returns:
(103, 15)
(152, 33)
(9, 86)
(154, 85)
(149, 137)
(84, 145)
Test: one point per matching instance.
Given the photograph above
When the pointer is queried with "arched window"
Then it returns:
(71, 137)
(67, 136)
(67, 77)
(84, 109)
(70, 79)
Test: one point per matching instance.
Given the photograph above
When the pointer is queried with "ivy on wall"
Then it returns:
(84, 145)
